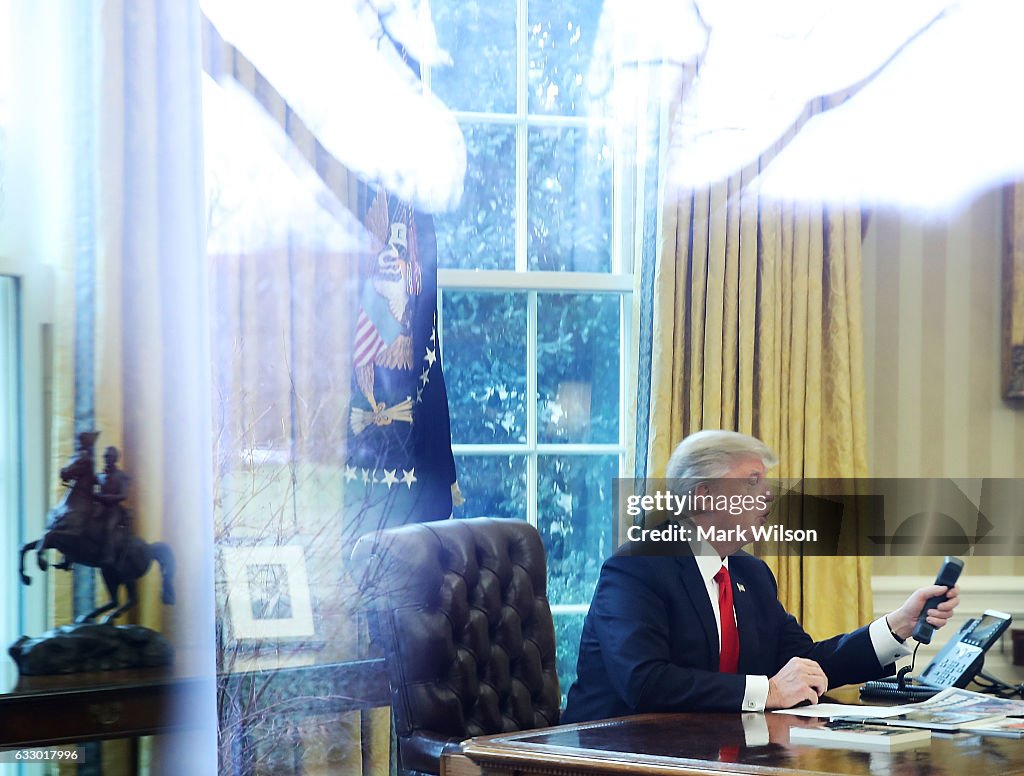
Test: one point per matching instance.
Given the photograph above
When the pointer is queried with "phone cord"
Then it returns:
(901, 675)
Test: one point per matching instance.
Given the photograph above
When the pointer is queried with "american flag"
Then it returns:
(368, 342)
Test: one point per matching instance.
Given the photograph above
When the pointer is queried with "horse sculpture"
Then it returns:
(74, 529)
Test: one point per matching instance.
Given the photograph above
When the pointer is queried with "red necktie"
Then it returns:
(729, 656)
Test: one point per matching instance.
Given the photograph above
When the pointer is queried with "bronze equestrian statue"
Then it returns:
(93, 528)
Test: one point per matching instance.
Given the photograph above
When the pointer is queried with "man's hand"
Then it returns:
(799, 680)
(902, 621)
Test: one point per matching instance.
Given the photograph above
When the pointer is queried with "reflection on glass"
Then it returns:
(10, 458)
(481, 39)
(574, 517)
(569, 200)
(578, 368)
(480, 234)
(561, 41)
(485, 366)
(492, 485)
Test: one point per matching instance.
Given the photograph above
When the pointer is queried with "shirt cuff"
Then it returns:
(887, 648)
(755, 695)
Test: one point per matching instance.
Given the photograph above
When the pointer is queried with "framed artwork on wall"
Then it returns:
(1013, 292)
(268, 594)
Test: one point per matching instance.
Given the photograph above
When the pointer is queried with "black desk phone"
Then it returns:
(957, 663)
(960, 660)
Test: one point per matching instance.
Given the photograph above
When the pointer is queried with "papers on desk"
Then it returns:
(933, 719)
(965, 701)
(833, 710)
(951, 710)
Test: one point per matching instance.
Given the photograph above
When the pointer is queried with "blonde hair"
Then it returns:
(712, 453)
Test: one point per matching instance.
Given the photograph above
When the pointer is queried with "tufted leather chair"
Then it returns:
(461, 609)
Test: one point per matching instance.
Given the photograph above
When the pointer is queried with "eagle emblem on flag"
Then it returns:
(383, 331)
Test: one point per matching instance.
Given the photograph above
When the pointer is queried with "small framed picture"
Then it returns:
(1013, 293)
(268, 597)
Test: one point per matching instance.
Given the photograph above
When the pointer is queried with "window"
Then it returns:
(25, 313)
(25, 353)
(10, 479)
(534, 285)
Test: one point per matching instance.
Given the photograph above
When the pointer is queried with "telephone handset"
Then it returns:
(957, 663)
(947, 576)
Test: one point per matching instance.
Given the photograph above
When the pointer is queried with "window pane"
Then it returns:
(481, 38)
(574, 516)
(569, 203)
(568, 628)
(562, 34)
(481, 233)
(484, 349)
(578, 368)
(492, 485)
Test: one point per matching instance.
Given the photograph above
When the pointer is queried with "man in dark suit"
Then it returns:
(704, 630)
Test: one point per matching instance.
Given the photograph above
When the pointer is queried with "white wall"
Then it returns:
(932, 296)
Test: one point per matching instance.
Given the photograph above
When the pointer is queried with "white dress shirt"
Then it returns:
(755, 696)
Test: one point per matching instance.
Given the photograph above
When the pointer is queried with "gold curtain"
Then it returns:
(757, 328)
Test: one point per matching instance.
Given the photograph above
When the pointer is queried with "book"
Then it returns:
(938, 720)
(858, 735)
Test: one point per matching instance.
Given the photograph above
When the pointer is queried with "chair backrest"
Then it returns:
(461, 610)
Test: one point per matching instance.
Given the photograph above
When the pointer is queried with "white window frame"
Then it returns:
(618, 281)
(25, 607)
(533, 284)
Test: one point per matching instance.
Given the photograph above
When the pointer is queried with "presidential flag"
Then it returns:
(399, 464)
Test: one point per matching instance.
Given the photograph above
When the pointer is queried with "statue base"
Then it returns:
(72, 649)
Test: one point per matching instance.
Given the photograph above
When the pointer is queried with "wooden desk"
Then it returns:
(72, 708)
(703, 744)
(76, 708)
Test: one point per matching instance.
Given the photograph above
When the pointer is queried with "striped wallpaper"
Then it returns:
(932, 351)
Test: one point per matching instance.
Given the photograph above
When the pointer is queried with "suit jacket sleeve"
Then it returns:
(631, 615)
(848, 658)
